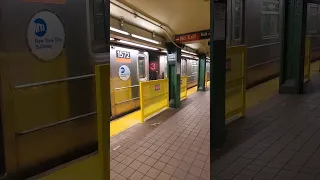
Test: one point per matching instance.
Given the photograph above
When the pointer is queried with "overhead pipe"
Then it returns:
(160, 25)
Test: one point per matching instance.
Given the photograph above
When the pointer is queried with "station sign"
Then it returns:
(194, 36)
(172, 59)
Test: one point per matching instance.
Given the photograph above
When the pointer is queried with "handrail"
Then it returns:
(127, 87)
(52, 81)
(40, 128)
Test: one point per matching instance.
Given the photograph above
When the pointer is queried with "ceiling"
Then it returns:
(175, 16)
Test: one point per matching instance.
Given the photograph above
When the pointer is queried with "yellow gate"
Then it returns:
(307, 59)
(183, 87)
(236, 81)
(154, 97)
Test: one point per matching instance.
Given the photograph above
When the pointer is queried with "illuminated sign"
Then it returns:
(195, 36)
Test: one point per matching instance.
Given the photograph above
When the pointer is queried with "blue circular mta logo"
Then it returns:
(122, 70)
(41, 27)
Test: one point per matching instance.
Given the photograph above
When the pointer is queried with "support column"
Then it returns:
(218, 9)
(174, 74)
(292, 62)
(202, 73)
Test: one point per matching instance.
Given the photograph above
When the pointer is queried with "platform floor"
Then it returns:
(175, 144)
(279, 139)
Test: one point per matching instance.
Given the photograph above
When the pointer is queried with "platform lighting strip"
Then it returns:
(145, 39)
(138, 45)
(119, 31)
(187, 56)
(111, 39)
(164, 51)
(188, 52)
(134, 35)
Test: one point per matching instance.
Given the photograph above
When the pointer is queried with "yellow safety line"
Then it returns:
(265, 91)
(192, 90)
(125, 122)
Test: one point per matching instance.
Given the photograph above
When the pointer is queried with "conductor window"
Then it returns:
(142, 67)
(312, 17)
(237, 19)
(98, 26)
(270, 18)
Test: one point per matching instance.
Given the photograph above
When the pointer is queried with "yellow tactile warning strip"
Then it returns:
(268, 89)
(125, 122)
(87, 168)
(192, 90)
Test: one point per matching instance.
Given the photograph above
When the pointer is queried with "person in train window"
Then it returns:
(153, 75)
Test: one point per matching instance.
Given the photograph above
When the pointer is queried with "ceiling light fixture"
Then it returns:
(111, 39)
(138, 45)
(119, 31)
(187, 56)
(164, 51)
(188, 52)
(145, 39)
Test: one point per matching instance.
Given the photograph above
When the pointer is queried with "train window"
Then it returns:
(270, 18)
(98, 26)
(312, 17)
(183, 67)
(237, 20)
(141, 67)
(194, 69)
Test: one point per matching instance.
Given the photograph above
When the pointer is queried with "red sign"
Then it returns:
(188, 38)
(153, 66)
(194, 36)
(157, 87)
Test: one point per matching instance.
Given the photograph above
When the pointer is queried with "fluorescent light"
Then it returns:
(119, 31)
(187, 56)
(111, 39)
(138, 45)
(189, 52)
(164, 51)
(145, 39)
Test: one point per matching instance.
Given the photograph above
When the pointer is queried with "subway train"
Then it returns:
(263, 33)
(140, 65)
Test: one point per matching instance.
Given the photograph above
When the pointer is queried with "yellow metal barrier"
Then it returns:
(236, 81)
(307, 59)
(183, 88)
(154, 97)
(207, 79)
(102, 75)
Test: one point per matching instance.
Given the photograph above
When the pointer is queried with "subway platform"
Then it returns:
(278, 139)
